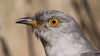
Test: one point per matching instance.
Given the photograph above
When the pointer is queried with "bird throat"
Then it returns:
(65, 46)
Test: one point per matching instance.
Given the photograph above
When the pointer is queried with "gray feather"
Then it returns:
(96, 53)
(66, 39)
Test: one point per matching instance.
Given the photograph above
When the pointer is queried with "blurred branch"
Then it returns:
(88, 23)
(93, 25)
(29, 32)
(4, 47)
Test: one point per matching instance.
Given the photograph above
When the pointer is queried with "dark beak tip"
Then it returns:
(18, 21)
(22, 20)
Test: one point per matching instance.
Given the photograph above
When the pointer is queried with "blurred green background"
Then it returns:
(17, 40)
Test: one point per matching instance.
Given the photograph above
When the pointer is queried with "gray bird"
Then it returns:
(60, 34)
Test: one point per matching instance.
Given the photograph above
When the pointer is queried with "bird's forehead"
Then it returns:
(47, 14)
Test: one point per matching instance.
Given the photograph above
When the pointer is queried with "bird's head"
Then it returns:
(49, 24)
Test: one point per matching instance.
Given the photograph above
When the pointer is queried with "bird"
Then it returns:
(60, 34)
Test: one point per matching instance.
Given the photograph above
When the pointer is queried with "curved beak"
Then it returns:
(28, 21)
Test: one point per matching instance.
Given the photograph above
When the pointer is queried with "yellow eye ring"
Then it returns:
(54, 21)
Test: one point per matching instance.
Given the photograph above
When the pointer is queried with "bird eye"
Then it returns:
(54, 21)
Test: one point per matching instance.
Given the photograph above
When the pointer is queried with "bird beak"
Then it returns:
(28, 21)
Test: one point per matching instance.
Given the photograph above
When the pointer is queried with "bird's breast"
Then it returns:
(66, 45)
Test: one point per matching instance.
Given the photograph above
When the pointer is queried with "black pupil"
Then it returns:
(54, 22)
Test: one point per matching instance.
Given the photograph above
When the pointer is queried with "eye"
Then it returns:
(54, 21)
